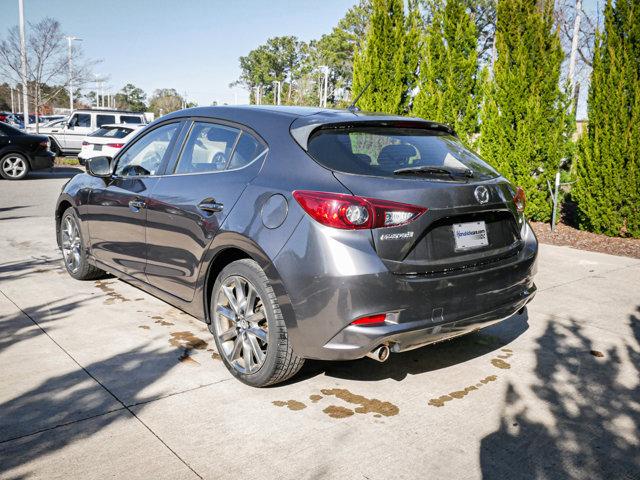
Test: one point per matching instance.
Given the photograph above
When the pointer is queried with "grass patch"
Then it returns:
(69, 161)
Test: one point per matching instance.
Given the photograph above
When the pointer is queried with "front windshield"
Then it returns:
(383, 151)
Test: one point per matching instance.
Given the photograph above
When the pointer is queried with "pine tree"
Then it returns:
(447, 84)
(607, 190)
(524, 125)
(387, 60)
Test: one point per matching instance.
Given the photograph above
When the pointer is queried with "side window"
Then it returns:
(207, 149)
(145, 155)
(81, 120)
(105, 120)
(130, 119)
(247, 150)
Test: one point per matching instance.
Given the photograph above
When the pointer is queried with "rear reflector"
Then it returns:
(350, 212)
(371, 320)
(115, 145)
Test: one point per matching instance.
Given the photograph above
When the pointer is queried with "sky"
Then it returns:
(190, 45)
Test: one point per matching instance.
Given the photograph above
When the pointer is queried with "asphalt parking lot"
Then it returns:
(99, 379)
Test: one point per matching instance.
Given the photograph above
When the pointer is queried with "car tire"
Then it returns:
(72, 246)
(55, 148)
(14, 166)
(258, 331)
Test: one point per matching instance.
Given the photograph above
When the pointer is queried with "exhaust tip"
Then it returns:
(380, 354)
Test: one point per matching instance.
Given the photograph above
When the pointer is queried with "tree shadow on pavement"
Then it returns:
(18, 327)
(425, 359)
(73, 406)
(580, 419)
(33, 266)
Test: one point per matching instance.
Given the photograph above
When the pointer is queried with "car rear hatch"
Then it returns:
(471, 219)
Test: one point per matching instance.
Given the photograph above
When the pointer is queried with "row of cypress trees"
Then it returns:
(608, 161)
(517, 113)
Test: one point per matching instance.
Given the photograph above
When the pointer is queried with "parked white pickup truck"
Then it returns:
(67, 140)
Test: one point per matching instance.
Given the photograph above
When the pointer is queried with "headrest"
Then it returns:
(395, 154)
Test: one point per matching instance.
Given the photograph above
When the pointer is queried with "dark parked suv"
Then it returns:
(21, 152)
(304, 233)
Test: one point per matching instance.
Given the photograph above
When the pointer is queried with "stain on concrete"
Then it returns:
(460, 394)
(499, 363)
(112, 295)
(315, 398)
(290, 404)
(367, 405)
(597, 353)
(335, 411)
(163, 323)
(144, 327)
(187, 341)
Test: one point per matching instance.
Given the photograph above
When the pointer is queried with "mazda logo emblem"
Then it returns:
(482, 194)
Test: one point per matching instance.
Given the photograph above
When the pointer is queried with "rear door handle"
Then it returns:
(210, 205)
(136, 205)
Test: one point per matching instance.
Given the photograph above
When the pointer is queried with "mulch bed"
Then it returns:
(568, 236)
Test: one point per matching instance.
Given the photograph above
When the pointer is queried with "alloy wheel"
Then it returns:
(71, 243)
(14, 166)
(241, 324)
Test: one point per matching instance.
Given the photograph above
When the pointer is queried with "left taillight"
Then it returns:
(115, 145)
(351, 212)
(45, 144)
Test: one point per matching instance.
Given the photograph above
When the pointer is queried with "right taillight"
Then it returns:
(520, 199)
(350, 212)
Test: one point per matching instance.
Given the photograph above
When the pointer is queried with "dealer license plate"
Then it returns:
(470, 235)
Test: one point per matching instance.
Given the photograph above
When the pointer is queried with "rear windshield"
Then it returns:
(112, 132)
(381, 151)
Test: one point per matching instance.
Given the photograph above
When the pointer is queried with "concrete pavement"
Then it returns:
(99, 379)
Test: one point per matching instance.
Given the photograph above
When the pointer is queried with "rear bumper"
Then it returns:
(356, 341)
(333, 278)
(42, 160)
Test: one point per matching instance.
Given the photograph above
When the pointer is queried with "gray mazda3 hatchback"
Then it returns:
(301, 233)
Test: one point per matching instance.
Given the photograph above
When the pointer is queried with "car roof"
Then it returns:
(132, 126)
(302, 121)
(105, 110)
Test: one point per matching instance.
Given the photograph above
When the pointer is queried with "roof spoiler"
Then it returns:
(303, 127)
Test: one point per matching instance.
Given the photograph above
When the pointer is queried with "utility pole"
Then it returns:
(574, 50)
(70, 39)
(23, 65)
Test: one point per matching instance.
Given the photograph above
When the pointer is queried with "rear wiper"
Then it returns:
(427, 170)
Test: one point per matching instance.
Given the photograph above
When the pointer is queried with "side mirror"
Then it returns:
(99, 167)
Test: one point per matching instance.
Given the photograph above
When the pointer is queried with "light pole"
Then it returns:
(324, 85)
(23, 65)
(71, 38)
